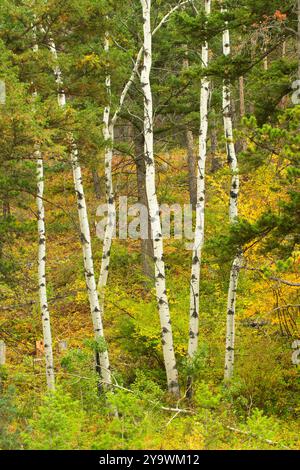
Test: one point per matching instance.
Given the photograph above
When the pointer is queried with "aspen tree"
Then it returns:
(108, 133)
(85, 236)
(156, 231)
(43, 300)
(233, 213)
(200, 206)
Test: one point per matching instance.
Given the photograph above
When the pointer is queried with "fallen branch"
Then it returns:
(257, 436)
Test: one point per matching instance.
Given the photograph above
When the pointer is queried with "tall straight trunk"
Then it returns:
(42, 273)
(102, 360)
(233, 213)
(199, 230)
(108, 133)
(156, 231)
(43, 299)
(146, 244)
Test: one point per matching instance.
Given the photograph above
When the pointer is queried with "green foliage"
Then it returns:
(263, 426)
(205, 398)
(56, 424)
(9, 413)
(81, 379)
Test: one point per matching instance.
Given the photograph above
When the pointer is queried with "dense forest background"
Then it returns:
(88, 356)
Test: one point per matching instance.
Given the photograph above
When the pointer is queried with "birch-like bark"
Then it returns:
(199, 229)
(43, 300)
(42, 273)
(85, 237)
(156, 231)
(233, 213)
(108, 133)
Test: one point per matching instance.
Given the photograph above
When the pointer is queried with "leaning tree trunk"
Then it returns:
(233, 213)
(102, 360)
(43, 299)
(108, 133)
(199, 230)
(156, 231)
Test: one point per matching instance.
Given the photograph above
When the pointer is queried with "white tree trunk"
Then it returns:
(199, 230)
(233, 213)
(43, 300)
(42, 273)
(108, 133)
(230, 322)
(84, 233)
(160, 280)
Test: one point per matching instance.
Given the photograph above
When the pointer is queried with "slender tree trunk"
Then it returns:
(156, 231)
(108, 133)
(43, 299)
(42, 273)
(146, 244)
(200, 207)
(102, 360)
(233, 213)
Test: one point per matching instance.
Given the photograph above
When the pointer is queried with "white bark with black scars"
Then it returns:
(43, 299)
(233, 213)
(42, 273)
(228, 129)
(160, 280)
(200, 206)
(85, 237)
(108, 133)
